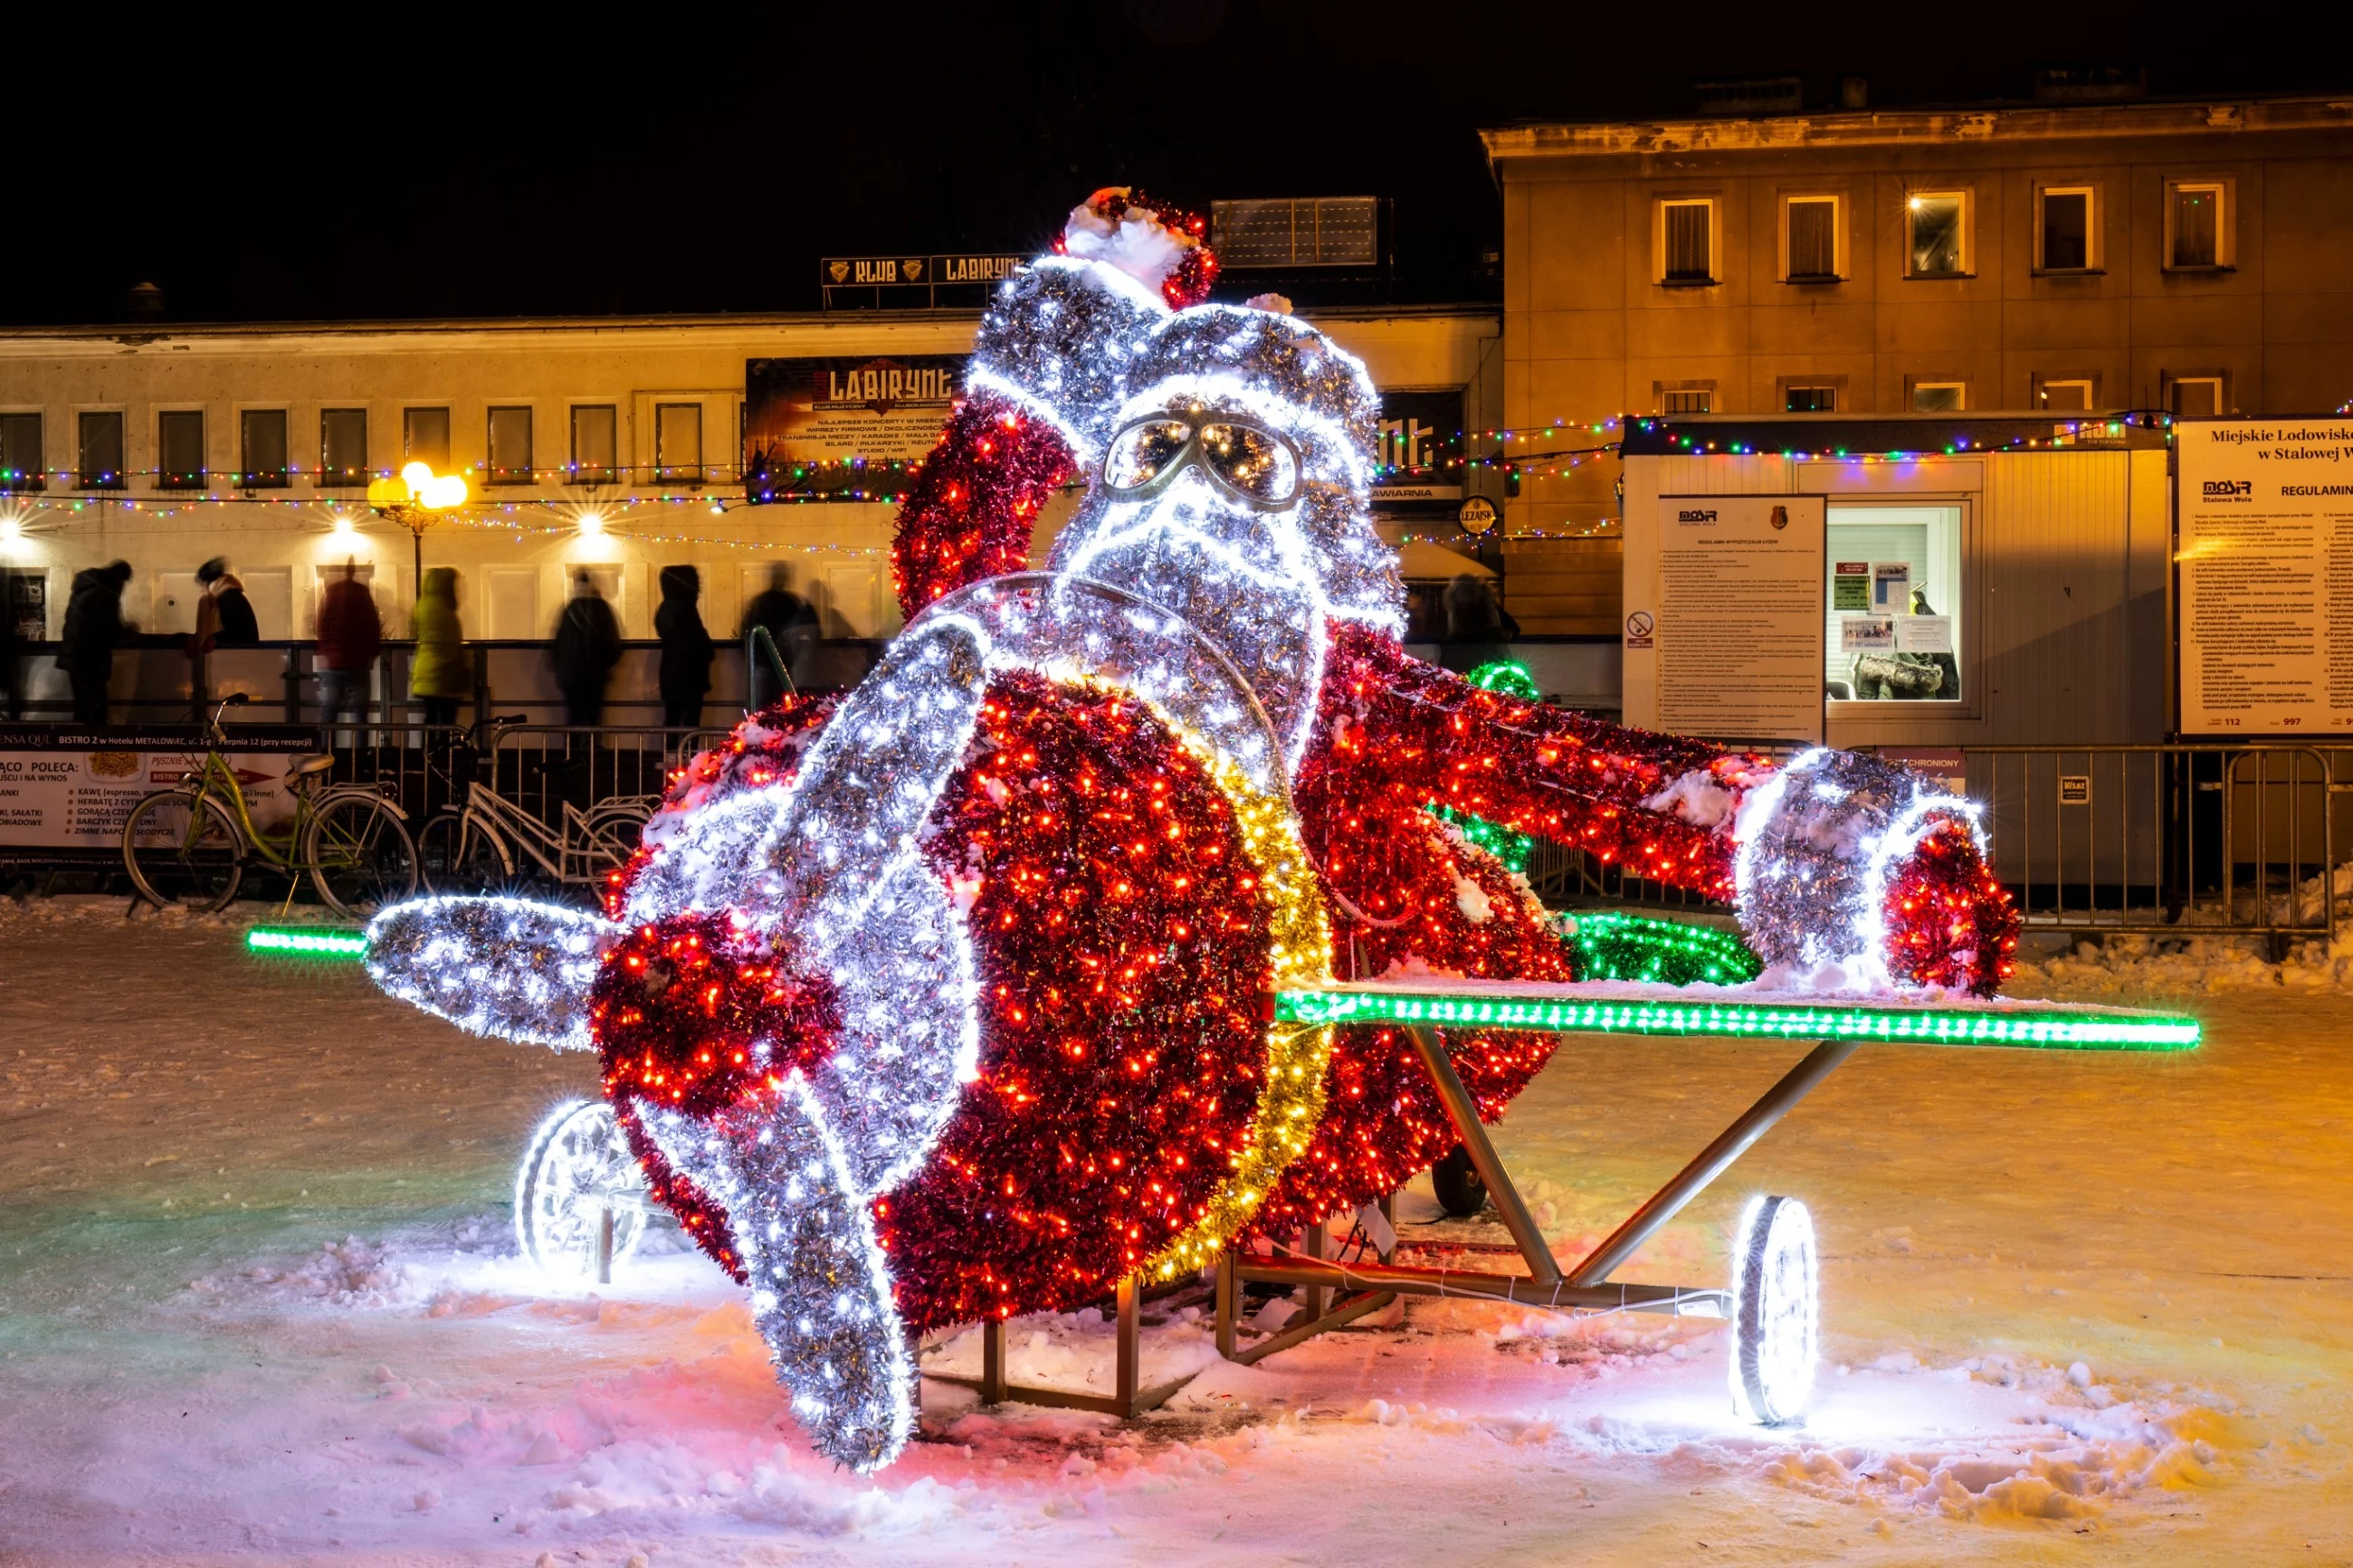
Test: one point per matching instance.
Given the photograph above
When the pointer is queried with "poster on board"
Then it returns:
(843, 428)
(2264, 518)
(67, 790)
(1738, 613)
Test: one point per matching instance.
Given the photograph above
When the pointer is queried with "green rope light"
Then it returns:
(1616, 946)
(306, 941)
(2048, 1028)
(1509, 678)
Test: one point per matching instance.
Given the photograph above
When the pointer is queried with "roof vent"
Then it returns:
(144, 303)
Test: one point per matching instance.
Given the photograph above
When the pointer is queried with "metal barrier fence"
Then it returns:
(2162, 840)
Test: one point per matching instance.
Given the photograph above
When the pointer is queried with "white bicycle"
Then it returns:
(484, 844)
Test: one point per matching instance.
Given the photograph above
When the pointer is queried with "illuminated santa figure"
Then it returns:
(952, 998)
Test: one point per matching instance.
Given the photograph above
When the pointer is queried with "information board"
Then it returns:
(2264, 518)
(63, 788)
(1738, 618)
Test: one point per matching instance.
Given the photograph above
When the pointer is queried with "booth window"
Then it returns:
(101, 457)
(1937, 230)
(180, 444)
(1686, 399)
(2196, 227)
(20, 452)
(343, 446)
(1811, 225)
(2066, 394)
(1895, 605)
(510, 447)
(261, 448)
(1797, 399)
(1687, 241)
(2068, 236)
(425, 437)
(1939, 397)
(2195, 396)
(596, 444)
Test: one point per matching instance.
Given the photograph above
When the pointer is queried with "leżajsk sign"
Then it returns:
(842, 429)
(2265, 538)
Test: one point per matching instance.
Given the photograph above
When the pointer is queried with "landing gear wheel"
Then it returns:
(1775, 1311)
(1456, 1181)
(578, 1169)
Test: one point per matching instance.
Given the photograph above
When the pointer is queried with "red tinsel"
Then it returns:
(969, 512)
(1949, 921)
(1124, 966)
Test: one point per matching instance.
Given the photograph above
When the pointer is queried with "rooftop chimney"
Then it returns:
(1854, 92)
(144, 303)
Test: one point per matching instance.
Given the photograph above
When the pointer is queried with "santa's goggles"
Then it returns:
(1257, 466)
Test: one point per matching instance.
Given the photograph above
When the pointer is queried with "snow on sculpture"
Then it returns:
(953, 997)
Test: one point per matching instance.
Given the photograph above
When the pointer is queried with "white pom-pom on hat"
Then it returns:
(1137, 242)
(1279, 304)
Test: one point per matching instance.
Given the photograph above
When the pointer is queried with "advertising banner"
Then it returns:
(2263, 513)
(843, 428)
(64, 789)
(1739, 618)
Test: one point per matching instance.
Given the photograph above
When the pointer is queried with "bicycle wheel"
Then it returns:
(360, 856)
(459, 856)
(181, 849)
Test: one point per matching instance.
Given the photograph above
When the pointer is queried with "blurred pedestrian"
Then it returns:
(437, 673)
(94, 628)
(791, 624)
(686, 648)
(350, 638)
(586, 647)
(233, 621)
(14, 641)
(1476, 625)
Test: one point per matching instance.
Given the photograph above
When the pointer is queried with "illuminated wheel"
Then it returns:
(1775, 1311)
(578, 1169)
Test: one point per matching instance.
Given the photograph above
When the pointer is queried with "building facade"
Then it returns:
(2189, 257)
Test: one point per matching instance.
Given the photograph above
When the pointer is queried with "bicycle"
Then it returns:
(480, 845)
(190, 845)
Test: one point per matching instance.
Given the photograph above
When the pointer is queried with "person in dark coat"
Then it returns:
(350, 636)
(586, 646)
(94, 628)
(235, 625)
(11, 649)
(686, 649)
(792, 622)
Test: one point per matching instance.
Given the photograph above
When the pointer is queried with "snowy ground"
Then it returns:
(258, 1302)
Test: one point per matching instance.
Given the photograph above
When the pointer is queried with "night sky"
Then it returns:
(673, 163)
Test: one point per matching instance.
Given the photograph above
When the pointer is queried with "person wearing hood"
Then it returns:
(686, 648)
(439, 674)
(586, 646)
(94, 628)
(231, 613)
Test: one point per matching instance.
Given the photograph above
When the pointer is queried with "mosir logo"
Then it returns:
(1694, 517)
(2230, 489)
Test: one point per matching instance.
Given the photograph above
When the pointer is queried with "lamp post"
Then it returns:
(413, 498)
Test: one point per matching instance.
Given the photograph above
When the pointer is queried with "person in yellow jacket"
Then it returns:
(441, 674)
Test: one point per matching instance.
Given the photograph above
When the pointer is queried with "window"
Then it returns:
(1798, 399)
(1811, 227)
(2068, 236)
(425, 437)
(678, 443)
(261, 448)
(1936, 227)
(2197, 227)
(510, 447)
(1687, 241)
(1686, 399)
(596, 444)
(100, 460)
(2195, 396)
(1939, 397)
(343, 446)
(180, 449)
(1894, 603)
(2069, 394)
(20, 452)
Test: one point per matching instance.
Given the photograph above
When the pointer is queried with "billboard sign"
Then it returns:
(843, 428)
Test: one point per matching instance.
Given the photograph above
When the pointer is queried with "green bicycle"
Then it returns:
(189, 844)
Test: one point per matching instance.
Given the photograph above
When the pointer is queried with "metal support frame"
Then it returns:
(1128, 1398)
(1585, 1288)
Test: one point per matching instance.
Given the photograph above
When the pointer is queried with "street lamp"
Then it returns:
(413, 498)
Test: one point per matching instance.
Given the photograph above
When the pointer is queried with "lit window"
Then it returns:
(2065, 394)
(261, 448)
(99, 461)
(425, 437)
(2197, 228)
(1894, 582)
(1939, 397)
(596, 444)
(343, 446)
(1687, 241)
(2195, 396)
(510, 447)
(1810, 399)
(678, 443)
(180, 446)
(2068, 236)
(1936, 223)
(1813, 241)
(20, 452)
